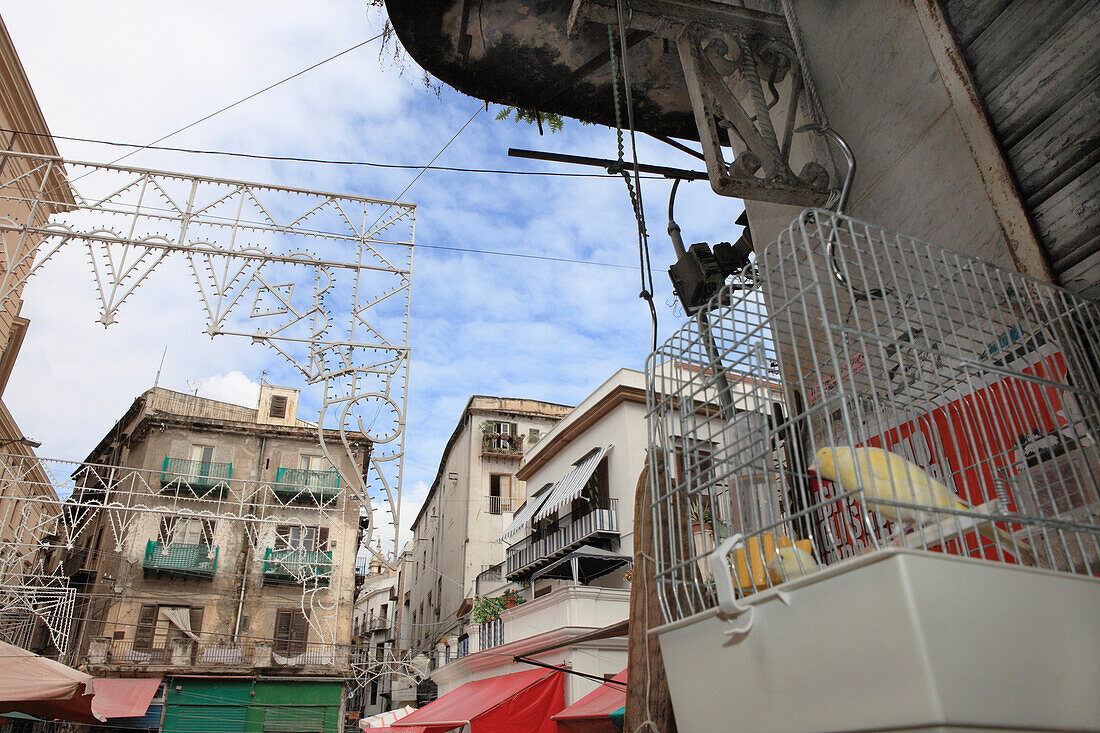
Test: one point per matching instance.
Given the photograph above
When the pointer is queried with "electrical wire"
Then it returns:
(425, 168)
(242, 100)
(320, 161)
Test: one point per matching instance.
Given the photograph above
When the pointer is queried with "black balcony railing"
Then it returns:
(489, 578)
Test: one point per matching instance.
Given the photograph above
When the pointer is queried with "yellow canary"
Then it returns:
(789, 563)
(883, 475)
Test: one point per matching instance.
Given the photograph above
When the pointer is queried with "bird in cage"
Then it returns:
(885, 476)
(789, 563)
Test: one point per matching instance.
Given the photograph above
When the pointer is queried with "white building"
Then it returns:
(569, 547)
(471, 501)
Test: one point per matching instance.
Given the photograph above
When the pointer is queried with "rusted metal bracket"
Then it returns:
(721, 50)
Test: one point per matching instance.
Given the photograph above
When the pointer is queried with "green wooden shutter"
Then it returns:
(147, 621)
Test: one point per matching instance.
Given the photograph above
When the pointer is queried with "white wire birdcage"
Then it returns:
(898, 368)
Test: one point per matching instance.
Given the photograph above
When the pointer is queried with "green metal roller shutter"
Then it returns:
(204, 705)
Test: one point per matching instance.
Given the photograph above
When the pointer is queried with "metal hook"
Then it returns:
(841, 204)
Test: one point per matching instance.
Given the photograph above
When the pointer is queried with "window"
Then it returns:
(178, 531)
(533, 435)
(159, 626)
(309, 463)
(505, 432)
(278, 406)
(293, 537)
(500, 493)
(204, 456)
(291, 632)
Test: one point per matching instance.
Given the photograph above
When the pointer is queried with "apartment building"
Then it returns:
(472, 499)
(231, 572)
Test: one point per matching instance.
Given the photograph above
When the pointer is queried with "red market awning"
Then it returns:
(125, 698)
(511, 702)
(592, 713)
(44, 688)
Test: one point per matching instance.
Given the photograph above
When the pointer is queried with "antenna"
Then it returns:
(156, 381)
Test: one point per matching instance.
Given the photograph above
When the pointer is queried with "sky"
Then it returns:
(479, 324)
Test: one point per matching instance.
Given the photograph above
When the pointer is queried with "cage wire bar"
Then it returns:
(811, 420)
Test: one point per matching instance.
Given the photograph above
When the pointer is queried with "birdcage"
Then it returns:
(872, 393)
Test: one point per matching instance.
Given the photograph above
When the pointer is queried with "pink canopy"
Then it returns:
(125, 698)
(44, 688)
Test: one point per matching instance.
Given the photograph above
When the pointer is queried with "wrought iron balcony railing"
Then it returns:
(175, 558)
(508, 446)
(291, 566)
(533, 551)
(292, 482)
(195, 476)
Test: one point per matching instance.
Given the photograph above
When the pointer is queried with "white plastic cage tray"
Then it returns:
(895, 640)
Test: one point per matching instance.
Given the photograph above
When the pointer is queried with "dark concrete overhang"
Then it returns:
(520, 53)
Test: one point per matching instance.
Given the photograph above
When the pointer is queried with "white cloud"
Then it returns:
(233, 387)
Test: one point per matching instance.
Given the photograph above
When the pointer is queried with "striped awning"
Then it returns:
(572, 484)
(523, 516)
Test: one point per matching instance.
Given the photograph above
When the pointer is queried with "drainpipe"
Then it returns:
(466, 513)
(248, 545)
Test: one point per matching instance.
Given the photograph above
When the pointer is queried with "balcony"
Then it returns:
(293, 567)
(531, 553)
(491, 634)
(182, 654)
(180, 475)
(490, 580)
(299, 483)
(180, 560)
(295, 654)
(494, 445)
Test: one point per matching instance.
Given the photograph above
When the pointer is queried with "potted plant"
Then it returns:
(512, 598)
(486, 609)
(701, 520)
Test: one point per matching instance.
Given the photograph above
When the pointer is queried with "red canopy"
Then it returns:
(592, 713)
(522, 701)
(124, 698)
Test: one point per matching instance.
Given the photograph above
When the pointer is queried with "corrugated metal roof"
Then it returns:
(571, 485)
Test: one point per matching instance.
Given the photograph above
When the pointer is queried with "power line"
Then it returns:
(242, 100)
(320, 161)
(253, 95)
(499, 253)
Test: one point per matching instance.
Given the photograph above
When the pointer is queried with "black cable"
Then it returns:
(319, 161)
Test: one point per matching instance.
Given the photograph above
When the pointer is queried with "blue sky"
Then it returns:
(480, 324)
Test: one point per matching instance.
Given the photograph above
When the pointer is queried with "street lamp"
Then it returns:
(24, 441)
